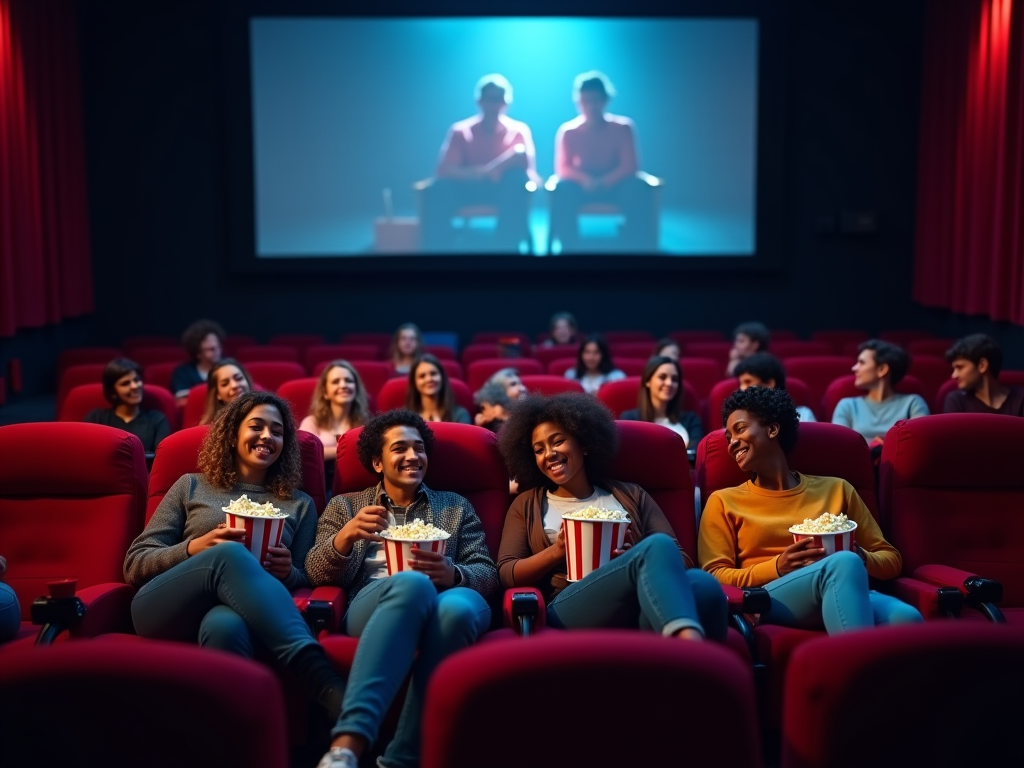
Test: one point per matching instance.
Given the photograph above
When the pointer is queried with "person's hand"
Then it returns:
(434, 565)
(557, 549)
(366, 524)
(627, 544)
(797, 555)
(218, 535)
(861, 552)
(278, 562)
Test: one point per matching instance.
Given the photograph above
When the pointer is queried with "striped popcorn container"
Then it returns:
(589, 544)
(840, 541)
(261, 531)
(399, 551)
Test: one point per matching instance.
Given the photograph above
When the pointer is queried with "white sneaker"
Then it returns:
(339, 757)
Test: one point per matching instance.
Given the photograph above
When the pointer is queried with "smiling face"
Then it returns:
(403, 459)
(340, 387)
(559, 456)
(744, 346)
(750, 442)
(428, 380)
(231, 383)
(408, 342)
(591, 356)
(129, 389)
(260, 442)
(747, 380)
(664, 384)
(866, 372)
(514, 387)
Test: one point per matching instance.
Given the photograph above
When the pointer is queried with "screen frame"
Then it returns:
(769, 252)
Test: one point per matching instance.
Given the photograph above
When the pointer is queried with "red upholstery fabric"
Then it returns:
(546, 354)
(440, 351)
(479, 371)
(786, 349)
(146, 356)
(560, 365)
(299, 394)
(796, 388)
(550, 385)
(234, 341)
(301, 341)
(932, 371)
(74, 375)
(323, 353)
(645, 337)
(701, 373)
(713, 350)
(929, 671)
(843, 387)
(779, 334)
(817, 373)
(930, 347)
(84, 398)
(392, 394)
(113, 700)
(475, 694)
(71, 517)
(252, 353)
(271, 374)
(685, 337)
(381, 340)
(159, 374)
(453, 368)
(839, 339)
(84, 356)
(481, 351)
(951, 491)
(494, 337)
(639, 349)
(621, 395)
(631, 366)
(195, 406)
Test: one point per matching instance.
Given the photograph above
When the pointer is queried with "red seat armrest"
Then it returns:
(333, 598)
(943, 575)
(108, 608)
(509, 619)
(931, 599)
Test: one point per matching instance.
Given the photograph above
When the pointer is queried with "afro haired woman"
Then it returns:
(561, 448)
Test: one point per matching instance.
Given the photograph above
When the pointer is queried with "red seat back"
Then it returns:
(147, 356)
(479, 371)
(269, 375)
(546, 354)
(638, 349)
(495, 337)
(234, 341)
(951, 493)
(325, 353)
(71, 518)
(159, 374)
(626, 337)
(440, 351)
(817, 373)
(932, 372)
(550, 385)
(74, 375)
(474, 352)
(86, 397)
(930, 347)
(631, 366)
(253, 353)
(465, 460)
(701, 373)
(560, 365)
(839, 340)
(685, 337)
(786, 349)
(195, 406)
(300, 341)
(299, 394)
(621, 395)
(713, 350)
(84, 356)
(381, 340)
(392, 394)
(844, 387)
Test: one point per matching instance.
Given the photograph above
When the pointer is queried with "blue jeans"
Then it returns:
(833, 593)
(394, 618)
(647, 587)
(10, 612)
(223, 598)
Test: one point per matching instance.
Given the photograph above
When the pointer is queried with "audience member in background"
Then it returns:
(339, 404)
(406, 346)
(203, 342)
(430, 394)
(763, 369)
(561, 449)
(879, 368)
(977, 360)
(667, 348)
(122, 387)
(10, 609)
(510, 380)
(744, 538)
(492, 403)
(561, 330)
(659, 400)
(594, 365)
(226, 382)
(409, 622)
(747, 339)
(486, 160)
(197, 581)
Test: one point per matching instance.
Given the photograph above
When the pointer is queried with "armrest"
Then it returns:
(93, 611)
(322, 607)
(932, 600)
(979, 593)
(747, 600)
(523, 610)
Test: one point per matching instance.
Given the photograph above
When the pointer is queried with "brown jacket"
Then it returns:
(523, 534)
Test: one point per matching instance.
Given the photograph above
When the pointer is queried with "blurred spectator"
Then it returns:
(339, 404)
(561, 330)
(492, 402)
(667, 348)
(594, 365)
(977, 361)
(406, 346)
(660, 400)
(747, 339)
(763, 369)
(226, 382)
(203, 342)
(10, 610)
(122, 387)
(430, 395)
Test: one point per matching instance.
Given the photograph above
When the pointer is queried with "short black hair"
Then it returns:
(765, 366)
(768, 406)
(371, 440)
(977, 347)
(755, 332)
(887, 353)
(116, 368)
(583, 416)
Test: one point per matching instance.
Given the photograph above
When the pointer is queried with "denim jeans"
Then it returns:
(833, 593)
(648, 587)
(223, 598)
(10, 612)
(403, 623)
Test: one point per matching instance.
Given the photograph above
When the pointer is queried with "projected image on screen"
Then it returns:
(533, 136)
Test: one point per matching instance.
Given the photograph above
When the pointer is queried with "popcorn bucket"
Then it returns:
(399, 551)
(589, 544)
(840, 541)
(261, 532)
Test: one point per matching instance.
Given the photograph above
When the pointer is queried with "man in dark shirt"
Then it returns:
(977, 360)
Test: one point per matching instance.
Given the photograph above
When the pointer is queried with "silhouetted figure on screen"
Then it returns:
(486, 159)
(597, 161)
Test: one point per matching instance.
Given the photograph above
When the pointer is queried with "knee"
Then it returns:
(658, 545)
(901, 613)
(706, 589)
(457, 617)
(10, 612)
(410, 591)
(845, 565)
(224, 629)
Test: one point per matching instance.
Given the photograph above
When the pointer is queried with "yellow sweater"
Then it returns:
(744, 529)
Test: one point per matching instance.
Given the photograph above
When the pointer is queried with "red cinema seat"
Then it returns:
(324, 353)
(299, 341)
(147, 356)
(381, 340)
(85, 356)
(74, 375)
(638, 349)
(496, 337)
(235, 341)
(817, 373)
(71, 517)
(713, 350)
(560, 365)
(131, 343)
(258, 353)
(839, 339)
(480, 352)
(621, 395)
(930, 671)
(796, 388)
(86, 397)
(843, 387)
(475, 694)
(440, 351)
(785, 349)
(932, 372)
(644, 337)
(195, 406)
(903, 336)
(1006, 378)
(479, 371)
(271, 374)
(373, 373)
(546, 354)
(159, 374)
(631, 366)
(702, 374)
(453, 368)
(550, 385)
(299, 394)
(392, 394)
(930, 347)
(685, 337)
(120, 693)
(951, 492)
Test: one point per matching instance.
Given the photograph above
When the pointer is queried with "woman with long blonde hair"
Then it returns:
(339, 404)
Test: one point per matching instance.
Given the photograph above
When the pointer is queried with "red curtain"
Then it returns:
(45, 264)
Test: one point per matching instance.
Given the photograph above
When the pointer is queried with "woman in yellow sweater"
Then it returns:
(744, 537)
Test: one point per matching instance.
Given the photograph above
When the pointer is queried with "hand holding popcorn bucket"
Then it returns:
(833, 533)
(401, 541)
(591, 535)
(263, 524)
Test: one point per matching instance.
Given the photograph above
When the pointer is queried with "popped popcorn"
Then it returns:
(826, 523)
(243, 505)
(417, 530)
(596, 513)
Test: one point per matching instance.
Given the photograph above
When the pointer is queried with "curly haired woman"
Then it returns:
(562, 447)
(197, 581)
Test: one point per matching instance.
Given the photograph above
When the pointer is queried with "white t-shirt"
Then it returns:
(676, 427)
(592, 382)
(561, 505)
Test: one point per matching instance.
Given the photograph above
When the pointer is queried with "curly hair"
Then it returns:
(217, 455)
(977, 347)
(755, 332)
(584, 417)
(768, 406)
(370, 445)
(192, 338)
(320, 409)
